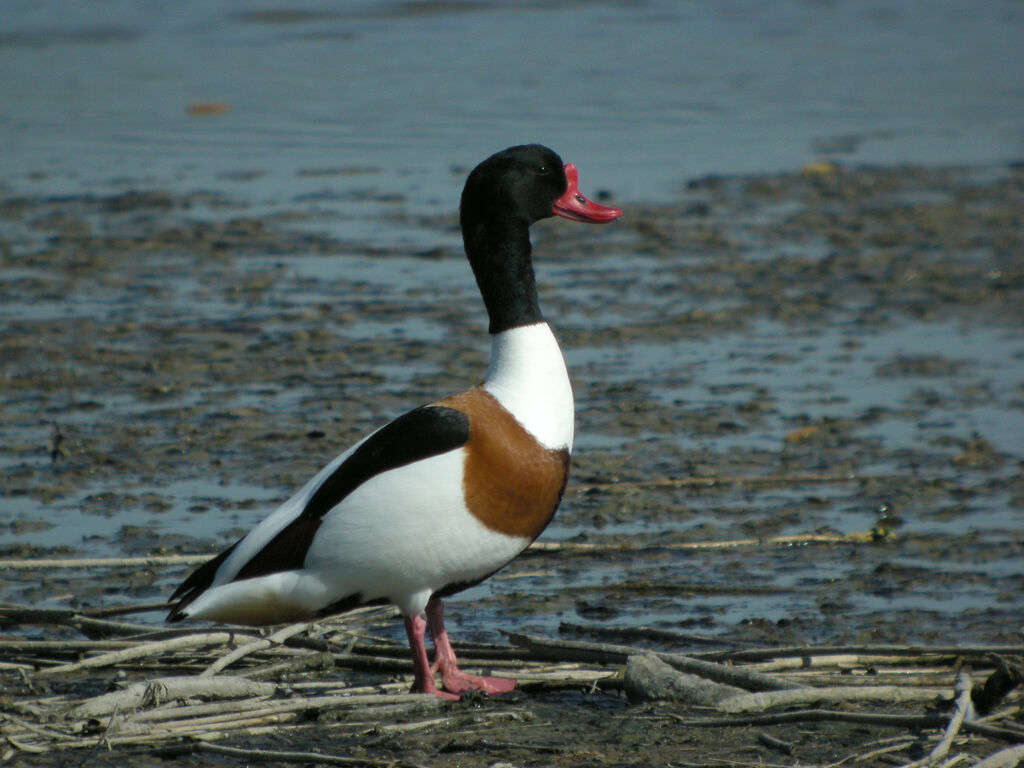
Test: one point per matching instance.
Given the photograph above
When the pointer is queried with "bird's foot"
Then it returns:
(429, 686)
(457, 681)
(454, 680)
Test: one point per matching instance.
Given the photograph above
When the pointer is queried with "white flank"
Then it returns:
(527, 375)
(274, 523)
(406, 533)
(401, 535)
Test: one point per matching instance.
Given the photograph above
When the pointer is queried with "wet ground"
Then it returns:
(832, 347)
(765, 356)
(228, 249)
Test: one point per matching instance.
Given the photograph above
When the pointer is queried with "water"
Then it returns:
(391, 96)
(836, 373)
(360, 120)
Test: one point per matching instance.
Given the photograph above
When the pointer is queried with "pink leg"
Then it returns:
(423, 676)
(455, 680)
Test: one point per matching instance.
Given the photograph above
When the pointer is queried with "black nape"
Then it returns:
(503, 196)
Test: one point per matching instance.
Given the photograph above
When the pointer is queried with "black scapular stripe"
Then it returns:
(427, 431)
(419, 434)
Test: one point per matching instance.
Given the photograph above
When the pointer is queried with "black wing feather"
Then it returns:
(419, 434)
(427, 431)
(196, 583)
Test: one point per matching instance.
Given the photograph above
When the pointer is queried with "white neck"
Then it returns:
(527, 375)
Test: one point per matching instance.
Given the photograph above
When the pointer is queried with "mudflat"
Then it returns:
(799, 417)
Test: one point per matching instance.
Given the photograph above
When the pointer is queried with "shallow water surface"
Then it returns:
(367, 106)
(229, 248)
(198, 373)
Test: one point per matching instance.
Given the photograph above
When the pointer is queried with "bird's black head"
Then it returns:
(520, 184)
(503, 196)
(524, 184)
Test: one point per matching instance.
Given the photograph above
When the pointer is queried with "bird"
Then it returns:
(447, 494)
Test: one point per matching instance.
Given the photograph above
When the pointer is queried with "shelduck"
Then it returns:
(447, 494)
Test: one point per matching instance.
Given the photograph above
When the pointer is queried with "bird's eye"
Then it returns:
(542, 170)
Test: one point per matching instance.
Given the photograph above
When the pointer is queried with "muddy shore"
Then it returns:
(831, 351)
